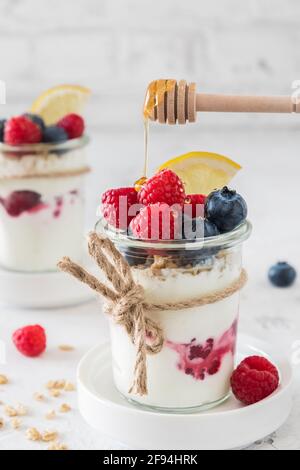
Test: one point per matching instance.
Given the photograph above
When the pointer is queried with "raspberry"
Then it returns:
(73, 125)
(254, 379)
(21, 201)
(155, 222)
(30, 340)
(116, 204)
(165, 187)
(196, 200)
(21, 130)
(36, 119)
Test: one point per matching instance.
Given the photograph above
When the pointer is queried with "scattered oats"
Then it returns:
(16, 423)
(39, 396)
(48, 436)
(66, 347)
(54, 393)
(1, 423)
(50, 415)
(21, 410)
(33, 434)
(57, 446)
(64, 408)
(3, 379)
(56, 384)
(10, 411)
(69, 387)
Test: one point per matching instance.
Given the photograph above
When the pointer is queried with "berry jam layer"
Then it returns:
(40, 222)
(200, 360)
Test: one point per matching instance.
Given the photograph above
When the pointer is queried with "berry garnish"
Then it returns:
(54, 134)
(2, 125)
(165, 187)
(116, 204)
(225, 208)
(30, 340)
(254, 379)
(282, 274)
(155, 222)
(73, 125)
(21, 130)
(36, 119)
(198, 228)
(20, 201)
(197, 202)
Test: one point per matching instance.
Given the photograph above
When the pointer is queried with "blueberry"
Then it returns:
(197, 227)
(54, 134)
(225, 208)
(36, 119)
(191, 230)
(282, 274)
(210, 229)
(2, 125)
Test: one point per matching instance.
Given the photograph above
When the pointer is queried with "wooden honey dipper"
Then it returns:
(168, 101)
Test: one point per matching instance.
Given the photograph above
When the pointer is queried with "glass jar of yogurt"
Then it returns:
(41, 204)
(193, 369)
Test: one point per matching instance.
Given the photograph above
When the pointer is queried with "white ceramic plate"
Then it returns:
(228, 426)
(41, 290)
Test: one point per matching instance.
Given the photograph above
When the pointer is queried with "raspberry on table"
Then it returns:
(22, 130)
(116, 204)
(30, 340)
(155, 222)
(73, 125)
(254, 379)
(164, 187)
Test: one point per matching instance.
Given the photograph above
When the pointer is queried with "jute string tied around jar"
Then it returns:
(126, 303)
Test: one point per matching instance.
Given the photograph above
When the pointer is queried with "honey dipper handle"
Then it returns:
(246, 104)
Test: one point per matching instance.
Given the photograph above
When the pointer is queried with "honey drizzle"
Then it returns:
(155, 94)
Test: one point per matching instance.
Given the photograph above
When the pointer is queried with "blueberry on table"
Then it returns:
(282, 274)
(36, 119)
(2, 124)
(54, 134)
(226, 209)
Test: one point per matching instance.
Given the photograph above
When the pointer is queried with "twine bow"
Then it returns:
(125, 302)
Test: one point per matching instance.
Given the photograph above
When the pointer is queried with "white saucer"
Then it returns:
(228, 426)
(41, 290)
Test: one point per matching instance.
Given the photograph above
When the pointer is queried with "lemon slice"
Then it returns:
(202, 172)
(58, 101)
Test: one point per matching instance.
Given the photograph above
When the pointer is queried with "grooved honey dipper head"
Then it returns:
(169, 101)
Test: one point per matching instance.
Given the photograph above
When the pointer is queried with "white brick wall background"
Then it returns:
(117, 46)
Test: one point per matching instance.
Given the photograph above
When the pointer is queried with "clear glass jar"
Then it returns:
(41, 204)
(193, 369)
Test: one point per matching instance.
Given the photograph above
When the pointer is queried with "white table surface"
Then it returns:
(270, 183)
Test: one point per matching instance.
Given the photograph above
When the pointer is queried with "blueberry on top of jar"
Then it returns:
(226, 209)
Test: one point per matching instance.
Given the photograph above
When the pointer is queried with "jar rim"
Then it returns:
(225, 240)
(45, 147)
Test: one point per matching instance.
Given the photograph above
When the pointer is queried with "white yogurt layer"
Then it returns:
(36, 241)
(168, 385)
